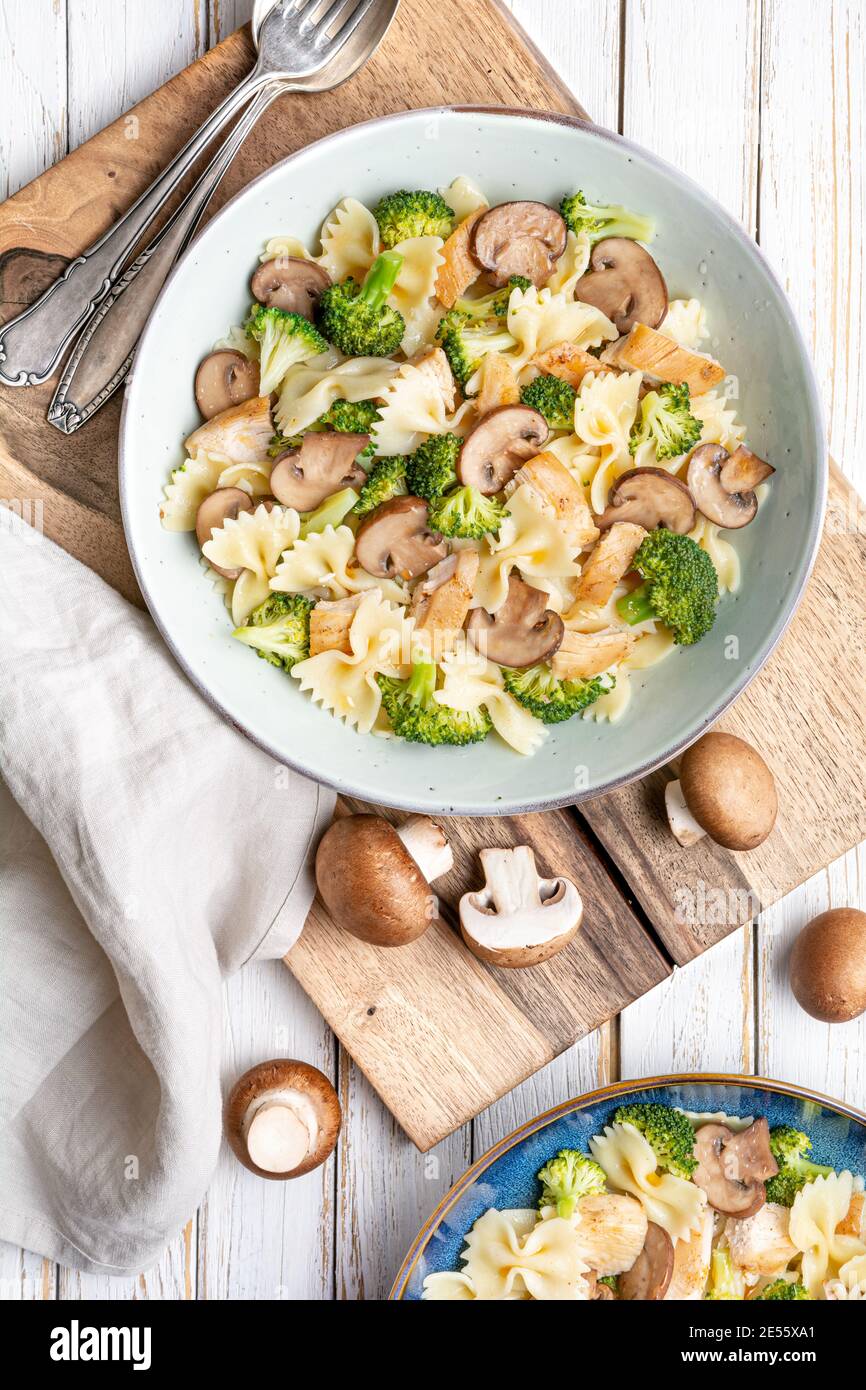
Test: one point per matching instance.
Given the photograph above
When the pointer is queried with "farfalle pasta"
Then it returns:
(460, 402)
(650, 1212)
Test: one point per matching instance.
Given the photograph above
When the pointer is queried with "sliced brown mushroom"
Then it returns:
(290, 283)
(499, 444)
(225, 378)
(650, 497)
(732, 1168)
(744, 471)
(625, 283)
(649, 1278)
(730, 510)
(219, 507)
(520, 238)
(396, 539)
(522, 632)
(325, 463)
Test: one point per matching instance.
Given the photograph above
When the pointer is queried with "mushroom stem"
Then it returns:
(278, 1140)
(426, 842)
(684, 827)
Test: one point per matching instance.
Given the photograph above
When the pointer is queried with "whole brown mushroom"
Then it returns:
(725, 790)
(375, 879)
(828, 966)
(282, 1118)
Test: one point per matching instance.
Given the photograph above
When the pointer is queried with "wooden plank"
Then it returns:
(396, 1016)
(33, 92)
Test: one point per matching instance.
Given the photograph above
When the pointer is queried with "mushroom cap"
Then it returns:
(273, 1078)
(729, 790)
(225, 378)
(396, 539)
(217, 508)
(650, 1276)
(290, 283)
(499, 444)
(730, 510)
(625, 283)
(519, 238)
(828, 966)
(732, 1168)
(370, 883)
(650, 497)
(325, 463)
(522, 632)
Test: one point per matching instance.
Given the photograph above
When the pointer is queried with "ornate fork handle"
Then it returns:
(33, 343)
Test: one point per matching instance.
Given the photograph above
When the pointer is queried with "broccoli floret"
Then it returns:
(350, 417)
(567, 1178)
(466, 513)
(332, 512)
(409, 214)
(610, 1281)
(666, 419)
(781, 1289)
(599, 221)
(418, 718)
(466, 343)
(495, 305)
(789, 1147)
(432, 469)
(554, 398)
(726, 1281)
(550, 699)
(668, 1132)
(386, 479)
(356, 318)
(279, 629)
(680, 586)
(284, 339)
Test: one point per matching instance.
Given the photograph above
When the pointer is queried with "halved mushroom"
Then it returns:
(522, 632)
(375, 879)
(396, 539)
(217, 508)
(732, 1168)
(225, 378)
(744, 471)
(649, 1278)
(503, 440)
(518, 919)
(290, 283)
(325, 463)
(519, 238)
(625, 283)
(650, 497)
(282, 1118)
(725, 790)
(728, 509)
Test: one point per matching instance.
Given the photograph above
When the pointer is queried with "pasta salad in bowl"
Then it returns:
(717, 1188)
(469, 461)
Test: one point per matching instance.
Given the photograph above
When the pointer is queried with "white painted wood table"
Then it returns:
(762, 101)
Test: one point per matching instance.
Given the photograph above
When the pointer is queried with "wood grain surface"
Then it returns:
(735, 93)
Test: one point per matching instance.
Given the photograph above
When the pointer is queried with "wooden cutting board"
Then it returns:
(439, 1034)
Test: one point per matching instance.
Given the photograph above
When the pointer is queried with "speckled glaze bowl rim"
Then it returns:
(777, 630)
(604, 1093)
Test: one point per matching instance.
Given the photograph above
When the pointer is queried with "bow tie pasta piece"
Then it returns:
(818, 1209)
(572, 264)
(345, 683)
(686, 322)
(413, 292)
(464, 197)
(350, 241)
(311, 388)
(470, 680)
(630, 1163)
(605, 410)
(539, 319)
(545, 1263)
(321, 564)
(252, 543)
(416, 403)
(285, 248)
(201, 475)
(719, 423)
(530, 540)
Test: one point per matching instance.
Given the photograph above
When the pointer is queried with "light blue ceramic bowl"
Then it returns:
(702, 252)
(505, 1176)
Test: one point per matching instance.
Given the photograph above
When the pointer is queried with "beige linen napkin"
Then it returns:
(146, 850)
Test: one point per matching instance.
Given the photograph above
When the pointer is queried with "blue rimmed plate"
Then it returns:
(505, 1176)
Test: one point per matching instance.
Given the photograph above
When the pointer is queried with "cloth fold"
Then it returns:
(146, 850)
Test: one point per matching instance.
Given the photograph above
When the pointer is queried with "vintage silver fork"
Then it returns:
(297, 40)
